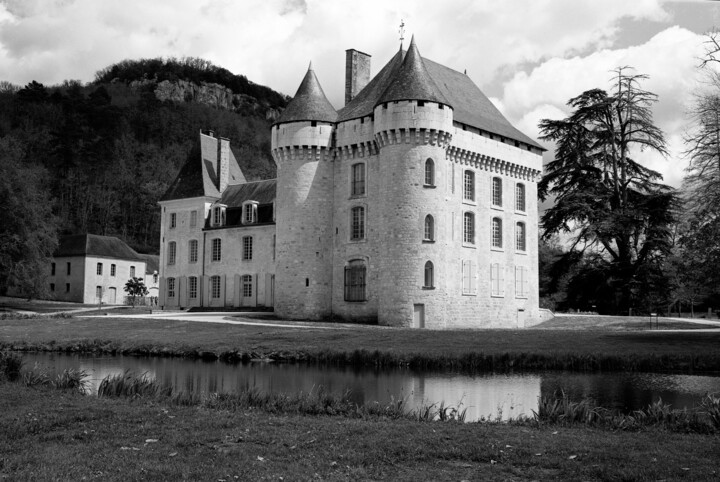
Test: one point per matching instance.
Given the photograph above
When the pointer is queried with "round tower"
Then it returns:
(412, 127)
(301, 146)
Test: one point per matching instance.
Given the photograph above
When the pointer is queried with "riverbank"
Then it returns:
(54, 434)
(482, 350)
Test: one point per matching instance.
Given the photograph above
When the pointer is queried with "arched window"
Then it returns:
(520, 197)
(497, 240)
(469, 186)
(193, 251)
(429, 172)
(520, 237)
(171, 287)
(429, 228)
(357, 223)
(357, 179)
(497, 191)
(429, 275)
(172, 251)
(216, 249)
(469, 228)
(192, 287)
(355, 276)
(215, 287)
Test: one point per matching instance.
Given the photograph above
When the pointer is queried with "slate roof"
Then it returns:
(95, 245)
(412, 81)
(198, 177)
(309, 103)
(470, 105)
(152, 262)
(261, 191)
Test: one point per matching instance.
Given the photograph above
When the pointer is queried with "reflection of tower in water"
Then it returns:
(490, 397)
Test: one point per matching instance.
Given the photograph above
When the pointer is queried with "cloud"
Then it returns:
(670, 59)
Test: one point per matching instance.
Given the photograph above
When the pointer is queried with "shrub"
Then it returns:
(10, 365)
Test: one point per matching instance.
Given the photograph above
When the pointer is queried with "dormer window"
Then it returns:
(217, 218)
(250, 212)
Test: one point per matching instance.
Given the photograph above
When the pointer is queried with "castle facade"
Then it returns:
(414, 205)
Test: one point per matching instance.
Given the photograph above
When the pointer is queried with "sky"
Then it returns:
(528, 56)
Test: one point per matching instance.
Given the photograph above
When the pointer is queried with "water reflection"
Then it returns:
(491, 396)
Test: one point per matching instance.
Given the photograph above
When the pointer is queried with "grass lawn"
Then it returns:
(570, 349)
(51, 434)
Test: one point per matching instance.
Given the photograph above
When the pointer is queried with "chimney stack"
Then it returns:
(357, 73)
(223, 159)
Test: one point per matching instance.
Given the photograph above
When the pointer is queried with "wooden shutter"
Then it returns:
(162, 292)
(466, 276)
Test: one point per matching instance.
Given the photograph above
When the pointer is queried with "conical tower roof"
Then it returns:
(412, 81)
(309, 103)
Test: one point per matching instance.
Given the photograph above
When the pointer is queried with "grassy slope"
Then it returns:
(263, 339)
(47, 434)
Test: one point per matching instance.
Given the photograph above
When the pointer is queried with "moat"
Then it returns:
(496, 395)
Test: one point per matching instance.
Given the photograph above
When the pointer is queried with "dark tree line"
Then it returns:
(96, 159)
(636, 245)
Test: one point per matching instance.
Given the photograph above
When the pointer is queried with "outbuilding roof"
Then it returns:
(95, 245)
(199, 177)
(261, 191)
(152, 263)
(309, 103)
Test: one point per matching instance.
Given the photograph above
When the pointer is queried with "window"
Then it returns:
(172, 251)
(469, 280)
(192, 287)
(215, 287)
(98, 293)
(429, 228)
(521, 282)
(469, 186)
(357, 181)
(193, 219)
(193, 251)
(497, 241)
(218, 216)
(520, 197)
(355, 274)
(171, 287)
(68, 269)
(52, 269)
(247, 286)
(250, 212)
(112, 270)
(247, 248)
(497, 191)
(52, 286)
(67, 287)
(429, 275)
(173, 220)
(469, 228)
(216, 249)
(429, 172)
(132, 271)
(520, 236)
(99, 269)
(357, 223)
(155, 278)
(497, 280)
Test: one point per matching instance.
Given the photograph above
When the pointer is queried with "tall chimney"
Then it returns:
(357, 73)
(223, 160)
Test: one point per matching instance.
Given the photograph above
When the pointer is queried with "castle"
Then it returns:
(414, 205)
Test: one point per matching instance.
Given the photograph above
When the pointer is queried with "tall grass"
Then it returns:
(560, 410)
(68, 379)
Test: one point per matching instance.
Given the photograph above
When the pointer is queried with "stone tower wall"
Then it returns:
(408, 134)
(303, 278)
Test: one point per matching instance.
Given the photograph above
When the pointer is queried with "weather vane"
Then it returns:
(402, 31)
